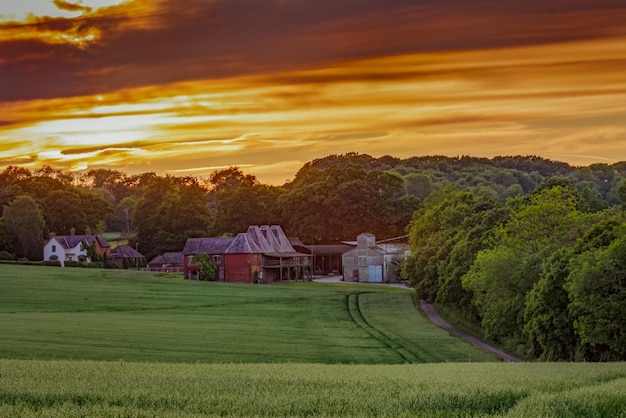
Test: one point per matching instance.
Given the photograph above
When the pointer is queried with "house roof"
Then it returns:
(125, 251)
(71, 241)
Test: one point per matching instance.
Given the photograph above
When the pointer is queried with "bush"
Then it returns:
(5, 255)
(51, 263)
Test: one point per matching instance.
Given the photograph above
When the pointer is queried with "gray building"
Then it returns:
(373, 263)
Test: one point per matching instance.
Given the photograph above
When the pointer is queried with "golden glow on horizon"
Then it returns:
(565, 102)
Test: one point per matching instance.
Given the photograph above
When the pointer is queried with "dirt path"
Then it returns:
(432, 314)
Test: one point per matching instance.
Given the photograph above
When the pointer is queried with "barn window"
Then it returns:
(217, 259)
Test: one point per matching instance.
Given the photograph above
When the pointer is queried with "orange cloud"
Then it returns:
(563, 101)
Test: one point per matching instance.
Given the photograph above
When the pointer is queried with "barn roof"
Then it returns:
(125, 251)
(207, 245)
(243, 244)
(256, 240)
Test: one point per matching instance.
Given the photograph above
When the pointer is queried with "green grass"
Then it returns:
(30, 388)
(54, 313)
(83, 342)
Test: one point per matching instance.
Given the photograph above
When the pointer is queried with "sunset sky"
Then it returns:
(187, 87)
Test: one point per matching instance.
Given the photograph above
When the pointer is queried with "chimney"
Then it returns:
(87, 231)
(72, 231)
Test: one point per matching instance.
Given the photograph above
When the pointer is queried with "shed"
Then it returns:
(373, 263)
(126, 257)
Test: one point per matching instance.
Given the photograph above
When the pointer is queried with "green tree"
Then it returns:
(597, 290)
(548, 323)
(502, 276)
(207, 269)
(171, 210)
(24, 220)
(620, 191)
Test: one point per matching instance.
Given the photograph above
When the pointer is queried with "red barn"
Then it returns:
(262, 254)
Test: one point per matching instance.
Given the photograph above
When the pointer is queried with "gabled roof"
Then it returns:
(256, 240)
(71, 241)
(125, 251)
(243, 244)
(206, 245)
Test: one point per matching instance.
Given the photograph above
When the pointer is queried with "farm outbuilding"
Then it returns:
(169, 262)
(373, 263)
(125, 256)
(262, 254)
(326, 259)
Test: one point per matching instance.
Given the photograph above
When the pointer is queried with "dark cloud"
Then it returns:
(197, 39)
(70, 7)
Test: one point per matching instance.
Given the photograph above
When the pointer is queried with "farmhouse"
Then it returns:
(262, 254)
(74, 247)
(373, 263)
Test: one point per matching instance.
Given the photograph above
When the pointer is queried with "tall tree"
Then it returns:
(171, 210)
(23, 219)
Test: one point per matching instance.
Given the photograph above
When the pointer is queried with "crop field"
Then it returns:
(30, 388)
(83, 342)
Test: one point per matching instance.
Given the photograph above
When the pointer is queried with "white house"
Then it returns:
(74, 247)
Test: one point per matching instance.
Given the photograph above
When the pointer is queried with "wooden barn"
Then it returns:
(262, 254)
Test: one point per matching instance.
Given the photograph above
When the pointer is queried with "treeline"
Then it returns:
(544, 273)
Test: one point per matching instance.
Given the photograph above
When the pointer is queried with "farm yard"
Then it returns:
(83, 342)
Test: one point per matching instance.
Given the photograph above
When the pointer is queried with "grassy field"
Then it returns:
(30, 388)
(54, 313)
(83, 342)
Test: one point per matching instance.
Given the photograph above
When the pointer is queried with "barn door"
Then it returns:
(375, 274)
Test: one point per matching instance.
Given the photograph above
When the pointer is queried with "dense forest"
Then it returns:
(533, 250)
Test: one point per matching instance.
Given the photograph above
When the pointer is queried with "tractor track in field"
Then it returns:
(354, 310)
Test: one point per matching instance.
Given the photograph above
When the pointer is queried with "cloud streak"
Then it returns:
(186, 86)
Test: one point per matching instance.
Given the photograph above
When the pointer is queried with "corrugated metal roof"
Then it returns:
(392, 248)
(329, 248)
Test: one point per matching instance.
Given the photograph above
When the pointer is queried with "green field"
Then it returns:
(53, 313)
(84, 342)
